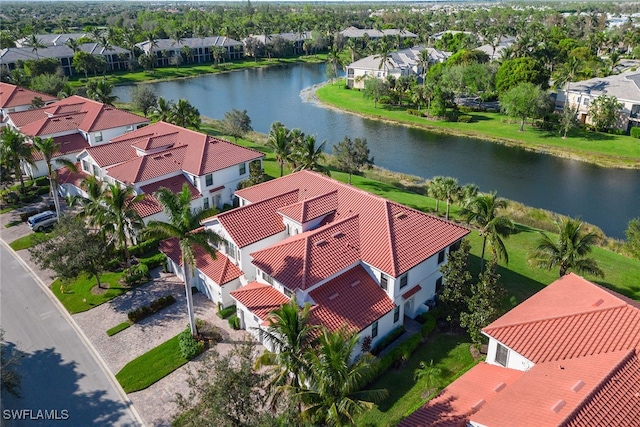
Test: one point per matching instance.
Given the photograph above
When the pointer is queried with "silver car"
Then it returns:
(42, 220)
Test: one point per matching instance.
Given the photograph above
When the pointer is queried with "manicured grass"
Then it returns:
(29, 240)
(118, 328)
(599, 148)
(77, 296)
(450, 353)
(152, 366)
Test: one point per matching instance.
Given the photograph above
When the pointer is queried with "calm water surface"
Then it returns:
(608, 198)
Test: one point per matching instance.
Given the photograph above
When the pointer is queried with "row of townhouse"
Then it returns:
(567, 356)
(361, 261)
(120, 147)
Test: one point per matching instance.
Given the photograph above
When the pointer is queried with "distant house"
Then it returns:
(361, 261)
(166, 50)
(166, 155)
(625, 87)
(296, 39)
(495, 51)
(405, 62)
(567, 356)
(117, 58)
(15, 98)
(373, 34)
(75, 123)
(53, 39)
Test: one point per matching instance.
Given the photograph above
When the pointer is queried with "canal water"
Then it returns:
(608, 198)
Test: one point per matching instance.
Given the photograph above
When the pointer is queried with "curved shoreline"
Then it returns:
(601, 160)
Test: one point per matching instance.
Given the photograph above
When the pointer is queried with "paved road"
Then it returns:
(60, 374)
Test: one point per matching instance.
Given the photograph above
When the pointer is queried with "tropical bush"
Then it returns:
(464, 118)
(226, 312)
(189, 346)
(386, 341)
(147, 310)
(234, 322)
(635, 132)
(136, 274)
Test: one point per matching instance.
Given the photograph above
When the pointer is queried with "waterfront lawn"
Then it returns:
(449, 352)
(596, 147)
(78, 297)
(152, 366)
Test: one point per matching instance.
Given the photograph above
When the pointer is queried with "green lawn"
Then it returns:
(118, 328)
(29, 240)
(152, 366)
(604, 149)
(450, 353)
(77, 296)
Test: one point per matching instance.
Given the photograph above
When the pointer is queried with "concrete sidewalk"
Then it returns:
(154, 404)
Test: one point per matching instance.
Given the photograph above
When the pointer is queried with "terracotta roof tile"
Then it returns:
(408, 236)
(112, 153)
(53, 125)
(312, 208)
(150, 205)
(99, 116)
(221, 270)
(259, 298)
(22, 118)
(16, 96)
(73, 143)
(210, 154)
(257, 221)
(571, 317)
(352, 299)
(452, 407)
(65, 176)
(411, 292)
(308, 258)
(144, 168)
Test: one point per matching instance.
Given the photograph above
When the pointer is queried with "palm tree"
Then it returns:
(352, 48)
(153, 42)
(450, 192)
(163, 110)
(436, 191)
(569, 252)
(48, 148)
(101, 91)
(129, 37)
(568, 73)
(119, 215)
(184, 225)
(430, 372)
(333, 60)
(15, 152)
(184, 114)
(423, 63)
(308, 155)
(482, 210)
(278, 142)
(384, 53)
(91, 206)
(290, 336)
(332, 394)
(35, 43)
(73, 44)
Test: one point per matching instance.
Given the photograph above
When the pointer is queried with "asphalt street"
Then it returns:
(63, 382)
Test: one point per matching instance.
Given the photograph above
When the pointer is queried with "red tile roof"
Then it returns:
(259, 298)
(144, 168)
(220, 270)
(305, 259)
(21, 118)
(150, 205)
(65, 176)
(452, 407)
(112, 153)
(312, 208)
(16, 96)
(393, 238)
(411, 292)
(73, 143)
(352, 299)
(570, 318)
(52, 125)
(241, 223)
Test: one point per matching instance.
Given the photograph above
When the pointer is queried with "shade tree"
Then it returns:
(236, 123)
(352, 156)
(523, 101)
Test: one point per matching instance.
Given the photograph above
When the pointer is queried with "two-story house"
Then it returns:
(15, 98)
(361, 261)
(567, 356)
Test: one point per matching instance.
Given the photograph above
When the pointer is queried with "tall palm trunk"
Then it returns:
(484, 246)
(187, 286)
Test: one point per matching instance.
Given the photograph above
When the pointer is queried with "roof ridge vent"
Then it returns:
(598, 303)
(558, 406)
(478, 404)
(333, 296)
(499, 387)
(577, 386)
(320, 243)
(400, 215)
(354, 284)
(337, 234)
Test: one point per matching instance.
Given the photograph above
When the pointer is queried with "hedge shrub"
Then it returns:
(234, 322)
(415, 112)
(136, 274)
(189, 346)
(154, 261)
(226, 312)
(398, 355)
(144, 247)
(635, 132)
(464, 118)
(386, 341)
(429, 325)
(147, 310)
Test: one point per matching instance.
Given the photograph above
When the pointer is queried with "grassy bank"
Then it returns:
(593, 147)
(194, 70)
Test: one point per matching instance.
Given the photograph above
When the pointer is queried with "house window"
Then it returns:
(243, 168)
(455, 246)
(98, 136)
(96, 170)
(501, 355)
(267, 278)
(439, 284)
(396, 314)
(374, 329)
(404, 280)
(287, 292)
(206, 203)
(384, 280)
(231, 249)
(209, 180)
(585, 101)
(129, 128)
(85, 166)
(195, 181)
(441, 257)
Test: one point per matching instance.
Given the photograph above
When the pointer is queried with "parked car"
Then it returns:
(42, 220)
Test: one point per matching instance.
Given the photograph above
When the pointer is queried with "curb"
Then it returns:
(94, 352)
